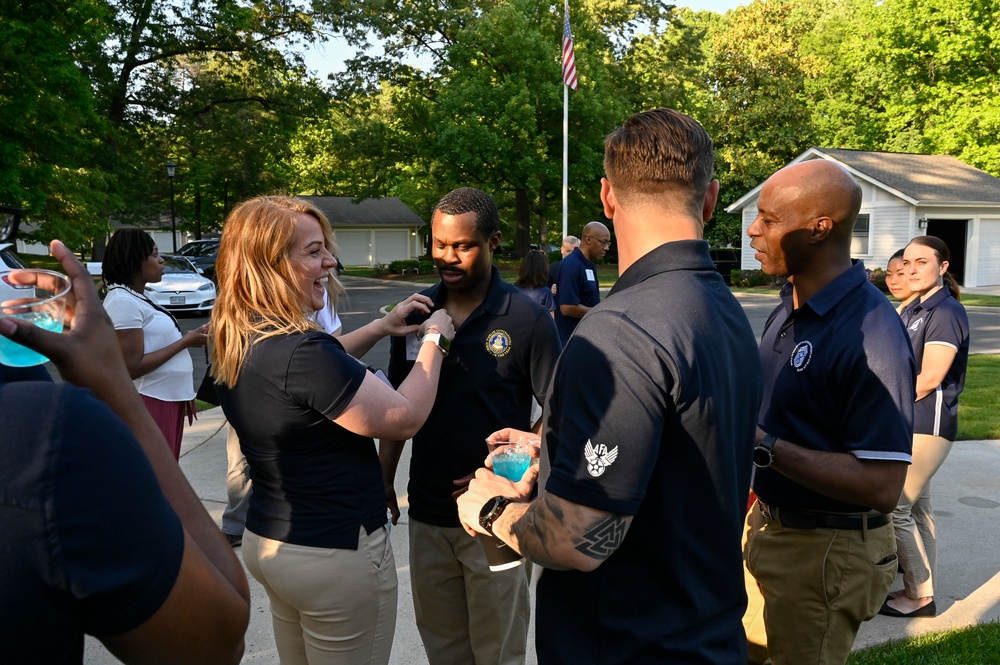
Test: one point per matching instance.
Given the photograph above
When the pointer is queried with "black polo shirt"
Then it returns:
(314, 482)
(576, 279)
(501, 357)
(939, 320)
(838, 377)
(652, 413)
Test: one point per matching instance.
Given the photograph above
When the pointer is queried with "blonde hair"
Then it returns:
(257, 296)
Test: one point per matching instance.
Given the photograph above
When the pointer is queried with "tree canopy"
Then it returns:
(97, 94)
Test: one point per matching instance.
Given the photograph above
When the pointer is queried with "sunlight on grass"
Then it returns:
(978, 416)
(973, 645)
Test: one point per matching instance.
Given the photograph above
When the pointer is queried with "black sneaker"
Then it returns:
(235, 539)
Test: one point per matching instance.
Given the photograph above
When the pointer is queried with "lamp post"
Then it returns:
(171, 171)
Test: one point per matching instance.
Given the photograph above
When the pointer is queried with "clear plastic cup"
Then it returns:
(41, 302)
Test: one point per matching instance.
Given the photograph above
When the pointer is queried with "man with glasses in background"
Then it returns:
(577, 288)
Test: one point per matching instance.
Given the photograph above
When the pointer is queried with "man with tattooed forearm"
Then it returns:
(648, 428)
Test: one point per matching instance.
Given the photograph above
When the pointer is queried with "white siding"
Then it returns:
(747, 261)
(988, 272)
(890, 231)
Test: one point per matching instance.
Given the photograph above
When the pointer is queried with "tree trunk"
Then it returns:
(543, 222)
(522, 216)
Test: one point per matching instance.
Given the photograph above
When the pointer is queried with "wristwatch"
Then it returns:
(763, 453)
(439, 339)
(491, 512)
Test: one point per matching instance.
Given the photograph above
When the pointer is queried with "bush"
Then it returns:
(754, 278)
(877, 277)
(397, 267)
(380, 269)
(426, 267)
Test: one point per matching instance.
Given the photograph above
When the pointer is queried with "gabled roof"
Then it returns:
(917, 179)
(344, 211)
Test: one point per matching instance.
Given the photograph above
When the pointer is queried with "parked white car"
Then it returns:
(183, 288)
(9, 260)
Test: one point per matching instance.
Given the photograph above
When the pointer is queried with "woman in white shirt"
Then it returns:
(152, 343)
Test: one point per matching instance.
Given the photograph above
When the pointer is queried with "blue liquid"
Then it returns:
(15, 355)
(511, 465)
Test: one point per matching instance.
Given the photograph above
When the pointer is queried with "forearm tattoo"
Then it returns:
(538, 541)
(601, 542)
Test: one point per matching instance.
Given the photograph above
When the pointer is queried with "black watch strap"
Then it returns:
(491, 511)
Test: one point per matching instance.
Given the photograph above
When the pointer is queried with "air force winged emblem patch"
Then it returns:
(599, 458)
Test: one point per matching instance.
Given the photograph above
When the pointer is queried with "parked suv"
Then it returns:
(726, 260)
(203, 254)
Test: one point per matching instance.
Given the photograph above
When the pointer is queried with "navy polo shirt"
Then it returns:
(839, 377)
(502, 356)
(652, 414)
(577, 284)
(939, 320)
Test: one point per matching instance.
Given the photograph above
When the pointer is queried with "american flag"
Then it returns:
(568, 58)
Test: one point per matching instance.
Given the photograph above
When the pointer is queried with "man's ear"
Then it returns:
(820, 228)
(495, 241)
(711, 198)
(608, 199)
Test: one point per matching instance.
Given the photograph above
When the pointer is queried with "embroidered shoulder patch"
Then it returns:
(599, 458)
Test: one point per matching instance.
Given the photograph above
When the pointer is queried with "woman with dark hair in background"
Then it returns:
(533, 279)
(939, 332)
(154, 348)
(306, 413)
(898, 282)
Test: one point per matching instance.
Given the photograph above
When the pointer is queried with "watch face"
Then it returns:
(762, 457)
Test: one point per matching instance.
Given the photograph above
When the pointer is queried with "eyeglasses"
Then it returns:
(604, 243)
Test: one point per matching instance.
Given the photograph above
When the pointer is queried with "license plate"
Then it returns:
(176, 300)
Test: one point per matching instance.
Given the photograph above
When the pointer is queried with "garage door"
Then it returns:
(354, 247)
(390, 246)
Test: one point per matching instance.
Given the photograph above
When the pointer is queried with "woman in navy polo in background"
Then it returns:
(939, 332)
(306, 412)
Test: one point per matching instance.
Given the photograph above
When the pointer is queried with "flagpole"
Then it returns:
(565, 182)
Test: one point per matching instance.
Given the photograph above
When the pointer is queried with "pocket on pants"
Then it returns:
(379, 548)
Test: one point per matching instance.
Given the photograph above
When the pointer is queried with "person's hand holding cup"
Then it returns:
(41, 300)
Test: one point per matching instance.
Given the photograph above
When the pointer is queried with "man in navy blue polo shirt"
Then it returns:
(648, 429)
(577, 288)
(503, 354)
(835, 424)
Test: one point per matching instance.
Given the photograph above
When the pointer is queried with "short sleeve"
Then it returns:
(568, 290)
(945, 327)
(323, 375)
(604, 455)
(118, 541)
(125, 313)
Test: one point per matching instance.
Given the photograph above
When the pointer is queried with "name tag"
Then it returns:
(412, 346)
(590, 275)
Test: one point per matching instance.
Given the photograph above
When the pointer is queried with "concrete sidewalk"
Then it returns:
(966, 500)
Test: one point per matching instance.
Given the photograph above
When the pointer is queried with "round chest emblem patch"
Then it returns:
(498, 343)
(801, 355)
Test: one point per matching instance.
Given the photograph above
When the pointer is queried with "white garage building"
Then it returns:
(371, 231)
(906, 195)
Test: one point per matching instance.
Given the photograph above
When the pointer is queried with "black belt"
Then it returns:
(808, 519)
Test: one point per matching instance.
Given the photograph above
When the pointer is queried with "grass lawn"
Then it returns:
(977, 406)
(951, 647)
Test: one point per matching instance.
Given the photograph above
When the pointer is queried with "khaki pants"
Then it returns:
(466, 614)
(328, 606)
(809, 589)
(913, 519)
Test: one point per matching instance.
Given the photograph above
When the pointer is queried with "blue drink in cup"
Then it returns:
(39, 296)
(511, 462)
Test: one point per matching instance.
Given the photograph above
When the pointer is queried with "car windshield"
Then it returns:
(172, 265)
(198, 249)
(10, 259)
